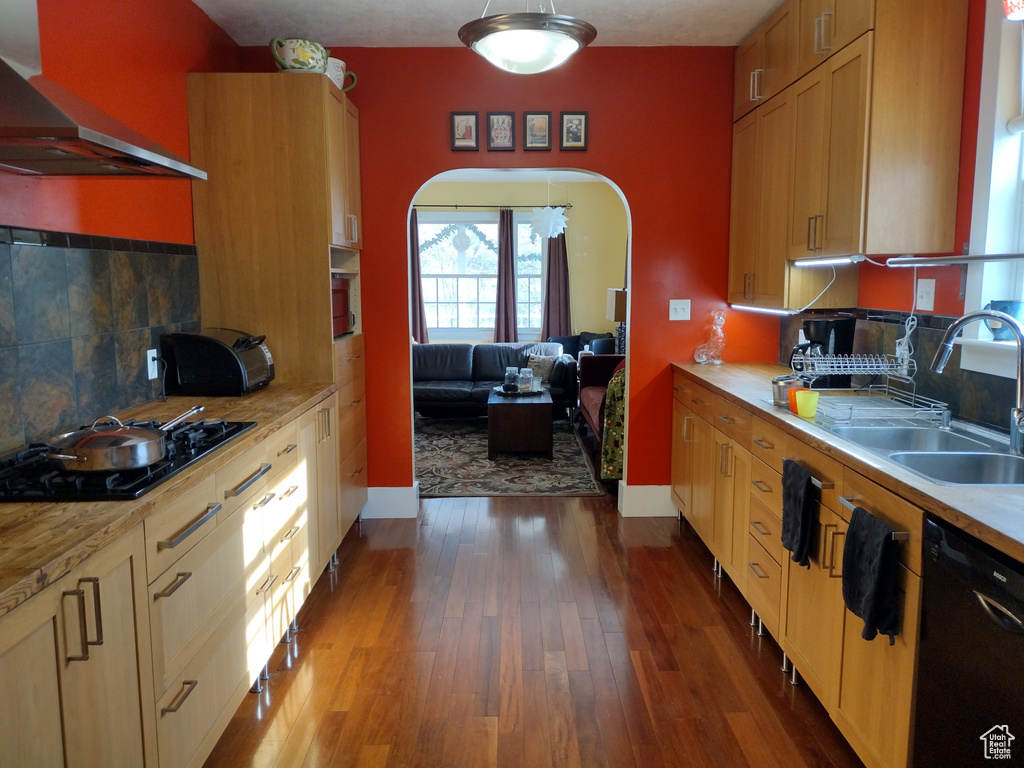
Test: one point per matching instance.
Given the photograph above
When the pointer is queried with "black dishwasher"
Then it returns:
(970, 673)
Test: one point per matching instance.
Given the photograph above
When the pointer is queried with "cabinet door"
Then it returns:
(353, 195)
(307, 462)
(328, 512)
(845, 21)
(682, 456)
(749, 69)
(845, 148)
(30, 718)
(101, 696)
(779, 50)
(812, 621)
(810, 50)
(721, 521)
(337, 155)
(702, 487)
(744, 207)
(732, 502)
(876, 689)
(770, 269)
(808, 97)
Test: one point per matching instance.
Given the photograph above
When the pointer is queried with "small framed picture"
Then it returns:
(537, 130)
(501, 131)
(574, 130)
(465, 131)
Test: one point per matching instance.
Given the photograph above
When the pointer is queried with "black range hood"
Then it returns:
(45, 130)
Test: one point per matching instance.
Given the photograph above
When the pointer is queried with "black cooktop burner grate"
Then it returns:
(29, 475)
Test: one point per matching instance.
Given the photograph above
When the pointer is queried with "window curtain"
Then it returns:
(419, 315)
(556, 320)
(505, 311)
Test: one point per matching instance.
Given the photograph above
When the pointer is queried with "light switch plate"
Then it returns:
(678, 309)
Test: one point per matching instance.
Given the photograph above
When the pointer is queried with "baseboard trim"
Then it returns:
(385, 503)
(646, 501)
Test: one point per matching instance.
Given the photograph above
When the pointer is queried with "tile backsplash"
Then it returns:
(77, 314)
(975, 397)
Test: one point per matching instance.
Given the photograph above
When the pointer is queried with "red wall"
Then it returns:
(129, 59)
(660, 128)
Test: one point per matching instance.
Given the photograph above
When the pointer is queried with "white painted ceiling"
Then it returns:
(435, 23)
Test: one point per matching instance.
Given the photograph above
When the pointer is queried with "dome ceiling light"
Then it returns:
(526, 43)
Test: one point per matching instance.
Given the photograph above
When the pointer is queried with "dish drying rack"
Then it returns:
(895, 398)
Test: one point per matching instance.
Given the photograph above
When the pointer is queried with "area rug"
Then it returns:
(451, 460)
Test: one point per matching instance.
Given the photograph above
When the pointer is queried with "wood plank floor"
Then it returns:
(528, 632)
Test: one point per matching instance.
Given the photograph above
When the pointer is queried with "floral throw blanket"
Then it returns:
(613, 427)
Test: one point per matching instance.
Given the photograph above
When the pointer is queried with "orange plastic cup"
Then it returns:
(792, 397)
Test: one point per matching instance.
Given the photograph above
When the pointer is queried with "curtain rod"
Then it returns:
(456, 206)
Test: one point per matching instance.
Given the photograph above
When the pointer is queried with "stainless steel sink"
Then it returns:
(964, 467)
(900, 438)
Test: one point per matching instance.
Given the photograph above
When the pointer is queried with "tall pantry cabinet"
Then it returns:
(279, 214)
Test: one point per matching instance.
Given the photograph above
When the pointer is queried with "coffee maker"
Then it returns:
(827, 336)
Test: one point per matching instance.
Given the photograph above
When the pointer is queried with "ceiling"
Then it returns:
(435, 23)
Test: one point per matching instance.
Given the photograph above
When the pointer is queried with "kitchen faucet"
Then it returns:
(946, 349)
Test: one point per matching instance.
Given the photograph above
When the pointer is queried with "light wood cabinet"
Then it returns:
(824, 27)
(682, 457)
(318, 430)
(280, 195)
(765, 62)
(73, 678)
(731, 504)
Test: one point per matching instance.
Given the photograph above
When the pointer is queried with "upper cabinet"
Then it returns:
(856, 156)
(282, 199)
(765, 61)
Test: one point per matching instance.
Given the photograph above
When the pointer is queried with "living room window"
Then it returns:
(459, 273)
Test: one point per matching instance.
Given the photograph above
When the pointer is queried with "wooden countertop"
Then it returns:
(40, 542)
(991, 513)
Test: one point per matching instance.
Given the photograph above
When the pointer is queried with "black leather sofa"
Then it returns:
(457, 379)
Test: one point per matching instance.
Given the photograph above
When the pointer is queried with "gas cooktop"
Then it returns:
(30, 476)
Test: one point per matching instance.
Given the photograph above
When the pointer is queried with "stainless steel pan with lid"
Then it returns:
(110, 445)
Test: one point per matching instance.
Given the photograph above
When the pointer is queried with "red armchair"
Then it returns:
(595, 372)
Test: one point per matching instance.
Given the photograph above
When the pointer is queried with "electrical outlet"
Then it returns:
(926, 294)
(151, 365)
(678, 309)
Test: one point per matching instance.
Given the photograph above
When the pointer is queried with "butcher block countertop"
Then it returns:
(40, 542)
(991, 513)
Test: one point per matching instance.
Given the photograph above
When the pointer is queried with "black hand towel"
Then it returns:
(797, 511)
(870, 573)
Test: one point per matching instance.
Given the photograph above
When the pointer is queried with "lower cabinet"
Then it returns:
(72, 675)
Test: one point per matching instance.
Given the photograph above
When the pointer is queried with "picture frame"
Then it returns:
(501, 131)
(536, 131)
(574, 129)
(465, 130)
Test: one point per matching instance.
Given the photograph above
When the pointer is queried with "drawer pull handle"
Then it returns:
(187, 686)
(821, 485)
(264, 501)
(83, 627)
(757, 571)
(293, 574)
(727, 419)
(289, 492)
(291, 447)
(762, 443)
(211, 509)
(246, 484)
(291, 533)
(759, 527)
(759, 484)
(698, 401)
(356, 402)
(832, 536)
(265, 587)
(180, 578)
(847, 501)
(358, 472)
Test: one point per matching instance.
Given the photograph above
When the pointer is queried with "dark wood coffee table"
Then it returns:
(519, 424)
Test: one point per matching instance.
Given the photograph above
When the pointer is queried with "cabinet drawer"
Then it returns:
(766, 527)
(824, 469)
(281, 449)
(700, 400)
(769, 444)
(733, 421)
(241, 478)
(885, 505)
(184, 601)
(348, 359)
(766, 486)
(177, 527)
(764, 582)
(351, 413)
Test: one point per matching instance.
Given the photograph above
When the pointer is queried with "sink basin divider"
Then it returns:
(847, 501)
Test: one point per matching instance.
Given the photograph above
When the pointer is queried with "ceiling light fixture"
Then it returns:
(1014, 9)
(527, 43)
